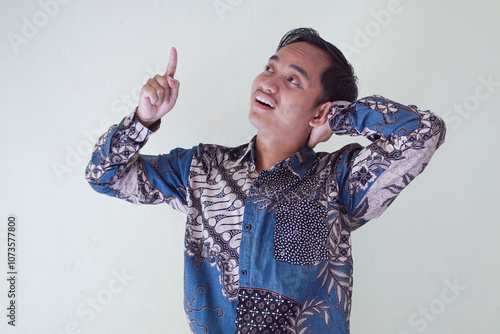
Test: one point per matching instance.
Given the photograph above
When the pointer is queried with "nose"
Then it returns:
(270, 85)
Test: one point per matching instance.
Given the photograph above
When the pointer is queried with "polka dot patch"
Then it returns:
(300, 233)
(261, 311)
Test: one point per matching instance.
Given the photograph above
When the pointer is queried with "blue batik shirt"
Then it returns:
(270, 252)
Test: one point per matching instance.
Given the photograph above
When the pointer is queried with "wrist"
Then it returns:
(146, 123)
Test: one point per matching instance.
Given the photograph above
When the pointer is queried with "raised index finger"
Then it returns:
(172, 63)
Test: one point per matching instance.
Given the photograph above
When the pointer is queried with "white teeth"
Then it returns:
(263, 100)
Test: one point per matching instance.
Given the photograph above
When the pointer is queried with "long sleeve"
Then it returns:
(404, 138)
(117, 169)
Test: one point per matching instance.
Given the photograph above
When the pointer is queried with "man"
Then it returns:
(267, 245)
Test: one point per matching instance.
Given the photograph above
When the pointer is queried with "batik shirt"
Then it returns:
(270, 252)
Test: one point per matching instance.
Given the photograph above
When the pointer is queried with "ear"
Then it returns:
(320, 115)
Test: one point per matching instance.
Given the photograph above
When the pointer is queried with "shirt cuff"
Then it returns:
(135, 130)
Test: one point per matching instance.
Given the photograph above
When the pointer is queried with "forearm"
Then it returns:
(404, 138)
(115, 152)
(382, 120)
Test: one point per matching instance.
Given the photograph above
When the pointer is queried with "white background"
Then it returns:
(69, 69)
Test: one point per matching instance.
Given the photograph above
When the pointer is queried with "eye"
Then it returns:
(293, 81)
(268, 69)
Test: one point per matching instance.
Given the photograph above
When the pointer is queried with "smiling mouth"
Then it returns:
(264, 102)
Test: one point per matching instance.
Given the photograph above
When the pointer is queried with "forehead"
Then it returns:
(313, 59)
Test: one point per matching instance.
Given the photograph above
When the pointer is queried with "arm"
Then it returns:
(117, 169)
(403, 138)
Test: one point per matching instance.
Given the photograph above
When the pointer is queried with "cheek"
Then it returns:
(256, 82)
(297, 104)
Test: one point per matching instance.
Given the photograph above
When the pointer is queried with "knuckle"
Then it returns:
(162, 81)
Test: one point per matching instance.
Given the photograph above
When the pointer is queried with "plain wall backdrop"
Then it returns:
(89, 263)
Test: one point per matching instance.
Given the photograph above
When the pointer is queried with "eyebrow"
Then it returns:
(295, 67)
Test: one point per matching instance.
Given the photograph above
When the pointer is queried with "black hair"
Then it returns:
(338, 80)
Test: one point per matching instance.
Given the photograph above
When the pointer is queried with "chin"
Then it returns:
(259, 122)
(253, 119)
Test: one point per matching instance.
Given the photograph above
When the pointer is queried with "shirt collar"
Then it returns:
(298, 163)
(248, 153)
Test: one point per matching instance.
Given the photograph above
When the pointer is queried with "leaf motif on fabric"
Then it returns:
(361, 209)
(394, 188)
(335, 278)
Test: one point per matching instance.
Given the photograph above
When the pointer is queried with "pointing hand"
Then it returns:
(159, 94)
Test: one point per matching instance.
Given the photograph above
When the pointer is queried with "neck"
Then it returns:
(269, 151)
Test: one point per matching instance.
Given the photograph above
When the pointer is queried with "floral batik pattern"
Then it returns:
(270, 252)
(216, 204)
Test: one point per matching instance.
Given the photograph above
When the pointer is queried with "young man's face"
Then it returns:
(284, 95)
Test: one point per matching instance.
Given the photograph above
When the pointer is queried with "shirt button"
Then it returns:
(248, 227)
(243, 272)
